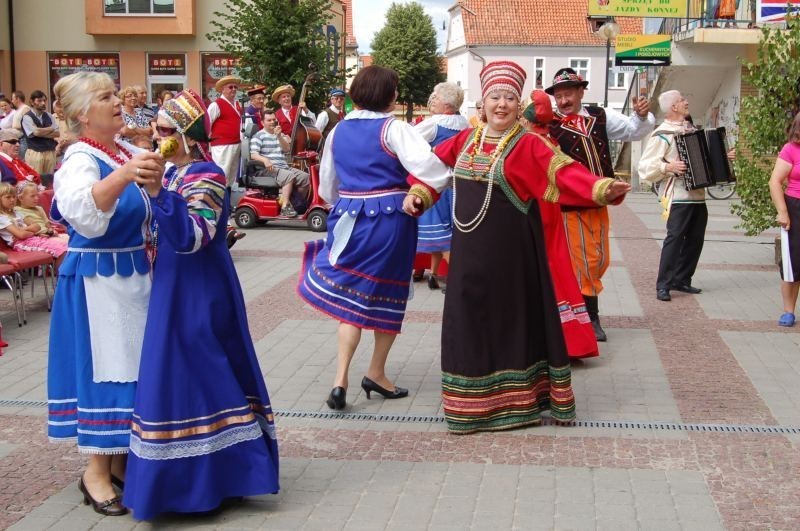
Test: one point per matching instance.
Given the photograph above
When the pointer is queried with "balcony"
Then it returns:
(703, 25)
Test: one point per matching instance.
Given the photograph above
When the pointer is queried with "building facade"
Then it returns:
(158, 43)
(542, 37)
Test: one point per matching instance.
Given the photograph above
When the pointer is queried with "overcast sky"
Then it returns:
(369, 16)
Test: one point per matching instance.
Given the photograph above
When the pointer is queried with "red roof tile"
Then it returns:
(348, 24)
(533, 23)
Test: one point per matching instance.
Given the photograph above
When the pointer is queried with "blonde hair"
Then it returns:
(76, 92)
(7, 189)
(24, 185)
(450, 94)
(128, 90)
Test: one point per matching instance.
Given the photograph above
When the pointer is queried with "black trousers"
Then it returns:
(686, 229)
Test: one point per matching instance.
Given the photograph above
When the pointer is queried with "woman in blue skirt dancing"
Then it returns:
(361, 274)
(202, 428)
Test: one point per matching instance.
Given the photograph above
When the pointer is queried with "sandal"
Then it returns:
(787, 319)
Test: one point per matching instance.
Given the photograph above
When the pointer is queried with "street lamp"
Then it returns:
(608, 31)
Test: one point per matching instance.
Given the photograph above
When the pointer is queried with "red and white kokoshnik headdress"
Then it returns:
(502, 75)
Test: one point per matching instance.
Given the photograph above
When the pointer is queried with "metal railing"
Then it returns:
(705, 14)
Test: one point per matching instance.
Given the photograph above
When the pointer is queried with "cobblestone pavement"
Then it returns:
(688, 420)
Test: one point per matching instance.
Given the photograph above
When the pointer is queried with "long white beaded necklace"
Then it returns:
(476, 221)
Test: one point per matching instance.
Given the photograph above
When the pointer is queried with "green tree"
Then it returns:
(407, 44)
(763, 119)
(276, 40)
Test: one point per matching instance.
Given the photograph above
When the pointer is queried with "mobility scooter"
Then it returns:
(260, 202)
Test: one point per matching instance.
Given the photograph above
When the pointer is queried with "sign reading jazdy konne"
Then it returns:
(638, 8)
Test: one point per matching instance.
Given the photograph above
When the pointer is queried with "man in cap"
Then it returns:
(225, 114)
(287, 114)
(331, 116)
(254, 110)
(13, 169)
(584, 132)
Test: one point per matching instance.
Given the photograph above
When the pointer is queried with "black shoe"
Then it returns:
(112, 507)
(432, 282)
(368, 386)
(663, 295)
(599, 333)
(338, 398)
(120, 484)
(687, 288)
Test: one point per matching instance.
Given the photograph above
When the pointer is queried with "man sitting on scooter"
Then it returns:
(269, 146)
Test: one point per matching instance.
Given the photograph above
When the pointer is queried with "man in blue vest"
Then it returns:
(41, 132)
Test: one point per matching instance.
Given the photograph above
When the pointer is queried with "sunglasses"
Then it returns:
(166, 131)
(12, 142)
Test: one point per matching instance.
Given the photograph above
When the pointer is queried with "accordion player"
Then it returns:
(705, 154)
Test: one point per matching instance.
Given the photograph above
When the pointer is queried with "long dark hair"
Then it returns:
(793, 133)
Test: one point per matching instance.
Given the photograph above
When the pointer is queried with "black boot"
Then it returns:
(591, 308)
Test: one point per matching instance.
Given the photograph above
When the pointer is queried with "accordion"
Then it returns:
(706, 157)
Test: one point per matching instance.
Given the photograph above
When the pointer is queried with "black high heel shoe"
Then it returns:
(117, 482)
(368, 386)
(112, 507)
(338, 398)
(432, 282)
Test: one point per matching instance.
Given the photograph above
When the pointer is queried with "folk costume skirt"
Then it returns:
(435, 225)
(203, 428)
(504, 360)
(575, 323)
(361, 275)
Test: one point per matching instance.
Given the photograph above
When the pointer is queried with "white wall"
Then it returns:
(724, 108)
(464, 66)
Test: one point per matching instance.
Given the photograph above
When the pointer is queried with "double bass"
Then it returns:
(305, 135)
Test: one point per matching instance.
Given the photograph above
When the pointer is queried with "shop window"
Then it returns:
(139, 7)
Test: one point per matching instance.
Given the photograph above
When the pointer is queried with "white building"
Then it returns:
(542, 36)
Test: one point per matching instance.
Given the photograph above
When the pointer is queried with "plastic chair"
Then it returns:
(13, 281)
(24, 260)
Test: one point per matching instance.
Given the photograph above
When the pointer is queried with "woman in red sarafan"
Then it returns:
(578, 333)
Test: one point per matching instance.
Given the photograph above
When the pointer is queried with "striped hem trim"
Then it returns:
(507, 399)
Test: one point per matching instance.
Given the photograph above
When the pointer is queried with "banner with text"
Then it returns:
(214, 66)
(638, 8)
(64, 64)
(643, 50)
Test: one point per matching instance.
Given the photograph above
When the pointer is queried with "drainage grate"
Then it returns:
(546, 421)
(23, 403)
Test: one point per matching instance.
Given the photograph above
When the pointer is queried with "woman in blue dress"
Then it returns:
(361, 274)
(100, 303)
(203, 429)
(435, 224)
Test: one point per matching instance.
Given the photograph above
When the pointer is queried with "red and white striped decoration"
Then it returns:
(502, 75)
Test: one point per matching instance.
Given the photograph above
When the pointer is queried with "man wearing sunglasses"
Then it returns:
(12, 168)
(225, 114)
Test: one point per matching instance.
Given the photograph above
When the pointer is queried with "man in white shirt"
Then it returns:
(225, 115)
